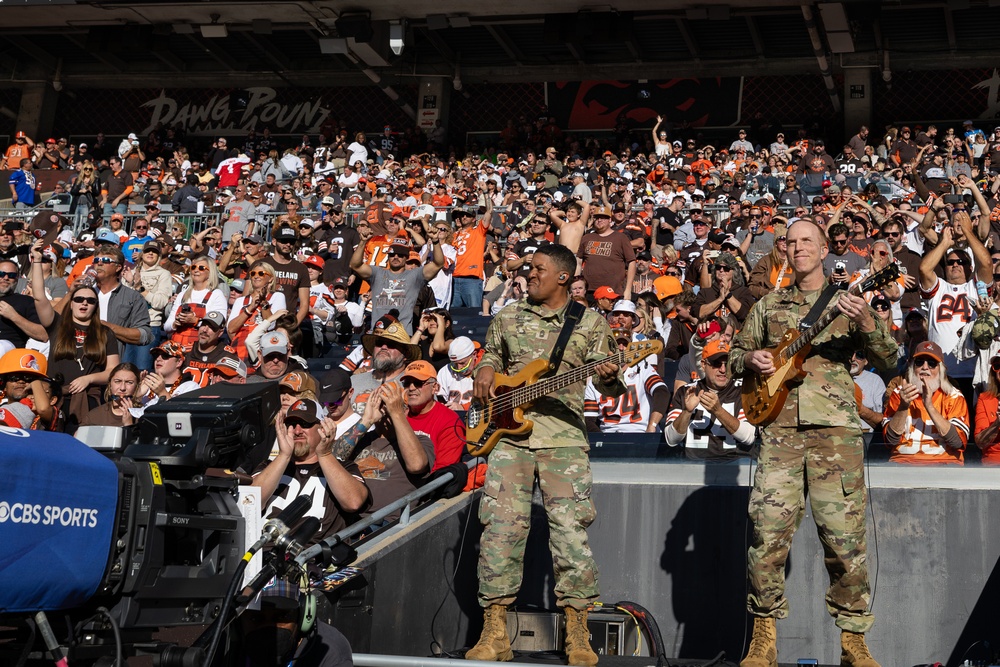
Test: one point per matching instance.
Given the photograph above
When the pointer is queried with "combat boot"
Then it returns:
(578, 650)
(493, 644)
(854, 652)
(763, 644)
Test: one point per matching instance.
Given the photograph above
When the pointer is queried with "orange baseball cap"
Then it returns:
(420, 370)
(605, 292)
(715, 349)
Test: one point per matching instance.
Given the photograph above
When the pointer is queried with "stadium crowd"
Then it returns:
(157, 270)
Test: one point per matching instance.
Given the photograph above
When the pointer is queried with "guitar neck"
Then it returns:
(546, 386)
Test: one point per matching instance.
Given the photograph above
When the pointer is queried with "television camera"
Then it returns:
(102, 547)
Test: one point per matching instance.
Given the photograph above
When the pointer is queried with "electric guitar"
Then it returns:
(763, 397)
(503, 415)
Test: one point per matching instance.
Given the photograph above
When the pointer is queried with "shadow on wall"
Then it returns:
(705, 554)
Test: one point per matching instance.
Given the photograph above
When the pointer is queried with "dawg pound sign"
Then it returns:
(215, 115)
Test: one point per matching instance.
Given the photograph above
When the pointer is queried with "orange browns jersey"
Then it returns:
(986, 413)
(16, 153)
(470, 249)
(921, 443)
(377, 249)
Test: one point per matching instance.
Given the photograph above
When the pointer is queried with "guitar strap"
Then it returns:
(572, 317)
(817, 310)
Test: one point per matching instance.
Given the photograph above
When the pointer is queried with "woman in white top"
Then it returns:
(201, 296)
(261, 299)
(357, 151)
(660, 139)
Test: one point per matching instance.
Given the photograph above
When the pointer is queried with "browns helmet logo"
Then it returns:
(30, 362)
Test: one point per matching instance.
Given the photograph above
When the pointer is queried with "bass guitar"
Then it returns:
(763, 397)
(487, 422)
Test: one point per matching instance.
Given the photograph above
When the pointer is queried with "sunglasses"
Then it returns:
(881, 308)
(672, 273)
(139, 229)
(256, 273)
(956, 262)
(199, 267)
(398, 254)
(99, 261)
(89, 300)
(22, 378)
(410, 382)
(839, 241)
(893, 234)
(756, 215)
(9, 275)
(930, 363)
(779, 239)
(723, 268)
(718, 363)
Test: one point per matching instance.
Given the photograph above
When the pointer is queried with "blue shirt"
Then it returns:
(24, 185)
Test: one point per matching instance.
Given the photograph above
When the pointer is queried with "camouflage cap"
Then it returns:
(984, 329)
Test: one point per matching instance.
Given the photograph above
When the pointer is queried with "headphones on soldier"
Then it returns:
(307, 605)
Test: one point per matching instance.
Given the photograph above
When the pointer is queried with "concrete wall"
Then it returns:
(673, 538)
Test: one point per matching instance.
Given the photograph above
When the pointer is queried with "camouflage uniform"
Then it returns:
(555, 450)
(815, 443)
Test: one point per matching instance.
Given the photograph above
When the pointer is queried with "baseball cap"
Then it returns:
(281, 593)
(333, 385)
(306, 410)
(45, 224)
(714, 350)
(341, 282)
(286, 234)
(461, 348)
(275, 341)
(929, 349)
(254, 238)
(300, 381)
(667, 286)
(314, 261)
(718, 237)
(422, 370)
(152, 245)
(600, 211)
(215, 318)
(329, 201)
(107, 236)
(168, 349)
(231, 367)
(605, 292)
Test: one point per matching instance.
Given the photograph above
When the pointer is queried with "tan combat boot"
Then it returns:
(578, 650)
(763, 644)
(493, 644)
(854, 652)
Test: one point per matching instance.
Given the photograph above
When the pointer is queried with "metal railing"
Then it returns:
(403, 503)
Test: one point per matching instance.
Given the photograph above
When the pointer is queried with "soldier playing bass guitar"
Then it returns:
(555, 450)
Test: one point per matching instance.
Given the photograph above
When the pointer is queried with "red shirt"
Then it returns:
(445, 429)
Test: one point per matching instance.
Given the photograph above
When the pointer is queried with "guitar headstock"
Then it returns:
(880, 279)
(640, 349)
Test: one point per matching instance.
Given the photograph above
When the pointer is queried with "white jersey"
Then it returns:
(441, 283)
(630, 412)
(949, 311)
(453, 390)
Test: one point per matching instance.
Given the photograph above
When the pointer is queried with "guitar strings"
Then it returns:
(522, 395)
